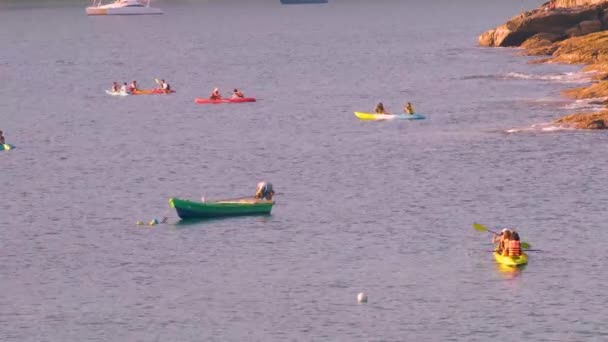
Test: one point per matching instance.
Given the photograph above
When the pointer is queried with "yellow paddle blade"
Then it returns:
(480, 227)
(7, 147)
(525, 245)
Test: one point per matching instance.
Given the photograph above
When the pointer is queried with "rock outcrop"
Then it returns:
(561, 22)
(569, 35)
(586, 121)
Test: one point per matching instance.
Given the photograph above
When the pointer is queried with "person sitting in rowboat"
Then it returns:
(2, 141)
(165, 86)
(264, 191)
(123, 89)
(409, 108)
(215, 94)
(133, 87)
(115, 87)
(501, 240)
(513, 246)
(237, 94)
(380, 109)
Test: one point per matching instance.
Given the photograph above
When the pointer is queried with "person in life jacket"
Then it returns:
(409, 108)
(133, 87)
(165, 86)
(123, 89)
(237, 94)
(501, 240)
(115, 87)
(264, 191)
(2, 142)
(380, 108)
(215, 94)
(513, 246)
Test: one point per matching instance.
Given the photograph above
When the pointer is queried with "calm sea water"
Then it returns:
(384, 208)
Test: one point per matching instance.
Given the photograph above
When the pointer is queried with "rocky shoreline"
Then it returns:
(564, 31)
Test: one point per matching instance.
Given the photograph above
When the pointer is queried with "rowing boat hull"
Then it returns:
(201, 100)
(116, 93)
(511, 260)
(238, 207)
(151, 92)
(377, 117)
(6, 147)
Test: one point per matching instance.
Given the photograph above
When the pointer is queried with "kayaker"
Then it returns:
(123, 89)
(237, 94)
(264, 191)
(409, 108)
(165, 86)
(215, 94)
(501, 240)
(380, 109)
(2, 141)
(513, 246)
(115, 87)
(133, 87)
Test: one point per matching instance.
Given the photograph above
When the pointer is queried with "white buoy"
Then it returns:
(361, 298)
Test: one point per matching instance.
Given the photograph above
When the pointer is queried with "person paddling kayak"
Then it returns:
(501, 240)
(380, 109)
(133, 87)
(2, 141)
(115, 87)
(409, 108)
(237, 94)
(215, 94)
(124, 87)
(165, 87)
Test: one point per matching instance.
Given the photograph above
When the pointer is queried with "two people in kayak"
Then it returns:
(507, 243)
(216, 95)
(264, 191)
(408, 108)
(134, 87)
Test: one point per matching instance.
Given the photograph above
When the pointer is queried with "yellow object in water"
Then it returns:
(511, 260)
(139, 223)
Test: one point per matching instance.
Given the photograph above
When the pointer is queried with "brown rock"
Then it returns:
(586, 121)
(519, 28)
(589, 49)
(540, 44)
(584, 28)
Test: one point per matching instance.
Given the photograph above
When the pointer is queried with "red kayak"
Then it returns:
(201, 100)
(151, 92)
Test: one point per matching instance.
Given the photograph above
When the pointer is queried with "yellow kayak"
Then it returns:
(511, 260)
(371, 116)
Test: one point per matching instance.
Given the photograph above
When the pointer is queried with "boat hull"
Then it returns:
(296, 2)
(122, 11)
(6, 147)
(511, 260)
(201, 100)
(239, 207)
(116, 93)
(152, 92)
(378, 117)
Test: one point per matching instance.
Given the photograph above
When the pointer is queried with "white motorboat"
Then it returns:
(122, 7)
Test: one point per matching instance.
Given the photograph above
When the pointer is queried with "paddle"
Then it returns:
(481, 228)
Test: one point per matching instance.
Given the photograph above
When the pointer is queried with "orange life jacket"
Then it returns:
(514, 248)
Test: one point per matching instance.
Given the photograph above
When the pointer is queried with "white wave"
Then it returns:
(541, 127)
(594, 104)
(568, 77)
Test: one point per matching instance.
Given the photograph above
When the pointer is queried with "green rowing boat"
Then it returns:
(233, 207)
